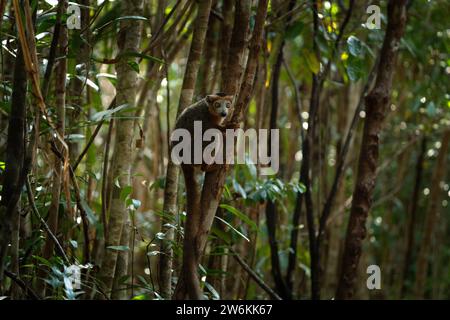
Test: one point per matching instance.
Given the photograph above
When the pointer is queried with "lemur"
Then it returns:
(212, 112)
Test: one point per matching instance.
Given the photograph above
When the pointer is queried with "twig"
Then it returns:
(105, 193)
(254, 276)
(298, 102)
(92, 138)
(22, 285)
(47, 228)
(79, 204)
(156, 37)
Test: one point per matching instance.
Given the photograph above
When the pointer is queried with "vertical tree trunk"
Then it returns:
(120, 284)
(432, 217)
(306, 180)
(193, 245)
(411, 227)
(172, 175)
(14, 164)
(129, 38)
(349, 101)
(234, 66)
(57, 170)
(271, 207)
(377, 103)
(207, 66)
(78, 84)
(215, 180)
(231, 50)
(225, 37)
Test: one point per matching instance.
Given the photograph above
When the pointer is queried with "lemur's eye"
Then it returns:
(216, 104)
(228, 104)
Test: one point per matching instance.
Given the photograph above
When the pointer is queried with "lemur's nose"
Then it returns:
(223, 114)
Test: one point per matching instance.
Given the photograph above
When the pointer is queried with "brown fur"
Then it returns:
(207, 110)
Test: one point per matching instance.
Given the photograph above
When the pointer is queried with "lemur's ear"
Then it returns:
(210, 98)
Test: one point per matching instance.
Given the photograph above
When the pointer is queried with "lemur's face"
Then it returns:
(219, 105)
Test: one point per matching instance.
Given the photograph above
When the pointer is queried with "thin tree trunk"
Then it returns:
(377, 103)
(120, 291)
(215, 180)
(57, 171)
(432, 217)
(231, 57)
(129, 38)
(271, 207)
(14, 164)
(334, 229)
(234, 67)
(225, 38)
(412, 219)
(207, 66)
(306, 181)
(78, 84)
(172, 174)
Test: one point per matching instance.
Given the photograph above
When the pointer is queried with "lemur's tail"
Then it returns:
(190, 260)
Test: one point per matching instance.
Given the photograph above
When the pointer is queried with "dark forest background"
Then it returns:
(90, 91)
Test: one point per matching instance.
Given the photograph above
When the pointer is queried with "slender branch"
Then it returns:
(47, 228)
(343, 156)
(254, 276)
(22, 285)
(92, 138)
(52, 52)
(79, 203)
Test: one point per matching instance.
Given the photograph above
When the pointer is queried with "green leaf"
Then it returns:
(160, 235)
(233, 228)
(355, 46)
(239, 189)
(106, 114)
(134, 65)
(311, 61)
(132, 18)
(294, 30)
(43, 261)
(74, 244)
(431, 109)
(136, 203)
(355, 69)
(215, 294)
(118, 248)
(225, 237)
(141, 55)
(90, 214)
(75, 137)
(240, 215)
(125, 192)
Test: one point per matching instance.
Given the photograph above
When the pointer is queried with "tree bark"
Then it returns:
(57, 170)
(234, 68)
(271, 207)
(306, 180)
(14, 164)
(432, 217)
(225, 38)
(412, 219)
(377, 102)
(215, 180)
(129, 38)
(78, 85)
(172, 174)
